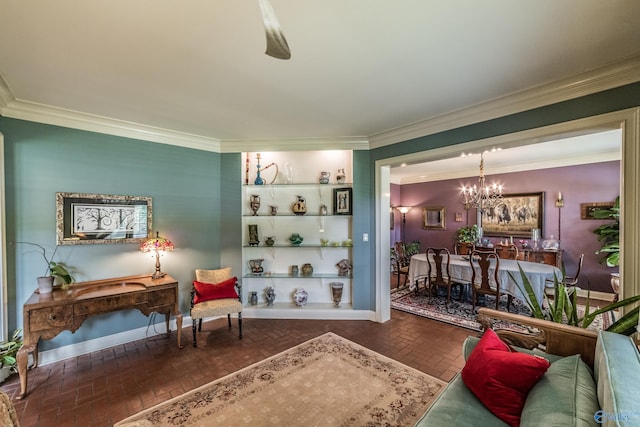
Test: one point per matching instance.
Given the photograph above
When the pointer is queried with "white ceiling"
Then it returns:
(359, 68)
(594, 147)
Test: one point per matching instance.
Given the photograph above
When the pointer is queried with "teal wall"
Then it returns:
(184, 184)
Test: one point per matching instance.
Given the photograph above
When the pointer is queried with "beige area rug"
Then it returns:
(326, 381)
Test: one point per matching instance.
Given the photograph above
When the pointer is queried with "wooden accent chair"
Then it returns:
(439, 274)
(215, 293)
(481, 285)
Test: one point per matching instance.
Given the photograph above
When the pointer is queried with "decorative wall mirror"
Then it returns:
(433, 217)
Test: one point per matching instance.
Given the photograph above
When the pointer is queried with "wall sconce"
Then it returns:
(157, 244)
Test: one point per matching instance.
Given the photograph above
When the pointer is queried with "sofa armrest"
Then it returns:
(553, 338)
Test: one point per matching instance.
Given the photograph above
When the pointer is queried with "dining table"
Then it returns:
(539, 275)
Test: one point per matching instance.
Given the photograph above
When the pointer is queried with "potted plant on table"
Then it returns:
(53, 270)
(466, 236)
(609, 236)
(8, 351)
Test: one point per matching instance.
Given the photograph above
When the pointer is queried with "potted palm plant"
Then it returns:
(54, 270)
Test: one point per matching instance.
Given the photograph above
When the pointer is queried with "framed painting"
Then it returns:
(100, 218)
(433, 217)
(587, 208)
(514, 216)
(342, 201)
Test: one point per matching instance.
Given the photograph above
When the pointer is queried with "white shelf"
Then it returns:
(309, 311)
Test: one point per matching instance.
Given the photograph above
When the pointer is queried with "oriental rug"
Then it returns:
(460, 313)
(326, 381)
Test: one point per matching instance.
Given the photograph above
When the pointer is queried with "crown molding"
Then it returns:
(295, 144)
(72, 119)
(614, 75)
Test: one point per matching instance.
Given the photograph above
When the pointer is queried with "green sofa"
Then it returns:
(570, 393)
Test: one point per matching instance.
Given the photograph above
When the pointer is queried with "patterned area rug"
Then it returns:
(326, 381)
(457, 313)
(460, 313)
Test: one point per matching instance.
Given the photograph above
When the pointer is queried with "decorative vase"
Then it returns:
(269, 241)
(295, 239)
(45, 284)
(324, 177)
(300, 296)
(273, 209)
(293, 270)
(254, 202)
(307, 269)
(256, 266)
(253, 298)
(288, 173)
(340, 177)
(270, 296)
(299, 207)
(323, 209)
(336, 292)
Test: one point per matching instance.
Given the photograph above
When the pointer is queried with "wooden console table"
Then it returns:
(46, 315)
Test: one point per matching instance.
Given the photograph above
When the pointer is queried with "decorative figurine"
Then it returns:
(296, 239)
(340, 177)
(324, 177)
(253, 235)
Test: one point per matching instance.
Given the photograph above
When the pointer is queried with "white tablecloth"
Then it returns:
(537, 273)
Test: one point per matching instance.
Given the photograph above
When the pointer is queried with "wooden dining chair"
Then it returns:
(482, 285)
(570, 282)
(439, 273)
(402, 261)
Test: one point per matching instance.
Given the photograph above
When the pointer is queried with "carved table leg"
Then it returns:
(179, 328)
(22, 359)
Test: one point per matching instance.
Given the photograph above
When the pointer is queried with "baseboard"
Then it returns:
(97, 344)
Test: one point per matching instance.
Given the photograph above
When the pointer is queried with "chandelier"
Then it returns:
(481, 196)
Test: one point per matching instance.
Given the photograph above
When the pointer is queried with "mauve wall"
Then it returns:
(579, 184)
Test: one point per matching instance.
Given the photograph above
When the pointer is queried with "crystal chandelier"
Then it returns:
(481, 196)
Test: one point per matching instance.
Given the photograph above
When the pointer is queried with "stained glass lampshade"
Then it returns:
(157, 244)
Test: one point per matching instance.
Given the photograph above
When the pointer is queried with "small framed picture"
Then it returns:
(587, 208)
(342, 201)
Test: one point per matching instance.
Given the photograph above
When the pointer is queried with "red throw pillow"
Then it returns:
(210, 291)
(501, 378)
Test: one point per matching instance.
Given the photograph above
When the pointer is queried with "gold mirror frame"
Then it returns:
(433, 218)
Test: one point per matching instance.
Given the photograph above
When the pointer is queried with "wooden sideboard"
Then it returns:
(46, 315)
(545, 256)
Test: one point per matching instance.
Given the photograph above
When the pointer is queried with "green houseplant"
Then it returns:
(609, 234)
(564, 307)
(469, 234)
(53, 269)
(8, 351)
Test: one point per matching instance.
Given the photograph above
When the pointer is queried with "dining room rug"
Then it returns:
(326, 381)
(460, 313)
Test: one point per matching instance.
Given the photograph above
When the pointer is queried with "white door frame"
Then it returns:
(626, 120)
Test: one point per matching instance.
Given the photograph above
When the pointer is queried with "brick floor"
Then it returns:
(103, 387)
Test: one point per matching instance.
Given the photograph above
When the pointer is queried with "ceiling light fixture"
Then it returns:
(481, 196)
(277, 46)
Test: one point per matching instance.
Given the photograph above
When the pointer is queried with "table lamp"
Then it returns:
(157, 244)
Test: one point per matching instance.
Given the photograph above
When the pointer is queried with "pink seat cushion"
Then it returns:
(500, 377)
(211, 291)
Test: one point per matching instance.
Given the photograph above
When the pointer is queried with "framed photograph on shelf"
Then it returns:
(514, 216)
(100, 218)
(433, 218)
(342, 201)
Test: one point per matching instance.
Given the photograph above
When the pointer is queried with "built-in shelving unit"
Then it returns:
(326, 234)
